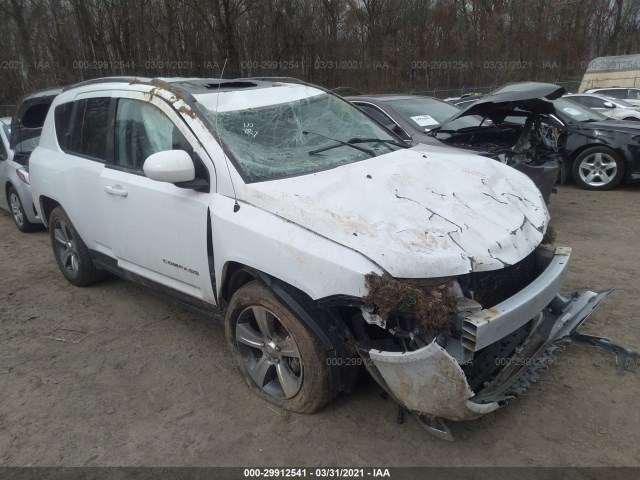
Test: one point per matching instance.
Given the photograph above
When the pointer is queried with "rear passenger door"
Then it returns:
(157, 230)
(82, 129)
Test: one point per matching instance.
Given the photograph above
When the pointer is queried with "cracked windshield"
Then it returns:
(299, 137)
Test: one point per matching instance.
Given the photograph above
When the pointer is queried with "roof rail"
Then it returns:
(94, 81)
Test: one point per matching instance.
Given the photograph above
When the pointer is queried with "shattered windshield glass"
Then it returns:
(299, 137)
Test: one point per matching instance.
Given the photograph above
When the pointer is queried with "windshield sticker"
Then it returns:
(571, 111)
(249, 129)
(424, 120)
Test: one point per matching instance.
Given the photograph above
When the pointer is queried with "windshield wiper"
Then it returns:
(339, 143)
(389, 142)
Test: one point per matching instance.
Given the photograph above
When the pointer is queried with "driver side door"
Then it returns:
(157, 230)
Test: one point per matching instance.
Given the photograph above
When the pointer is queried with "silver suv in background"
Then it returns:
(15, 191)
(20, 136)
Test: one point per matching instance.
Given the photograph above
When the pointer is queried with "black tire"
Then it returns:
(631, 119)
(71, 253)
(18, 213)
(602, 165)
(309, 371)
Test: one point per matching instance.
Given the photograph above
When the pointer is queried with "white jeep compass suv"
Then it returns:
(329, 244)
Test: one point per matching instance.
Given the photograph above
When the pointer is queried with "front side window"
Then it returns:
(616, 93)
(141, 130)
(575, 112)
(89, 129)
(298, 137)
(591, 102)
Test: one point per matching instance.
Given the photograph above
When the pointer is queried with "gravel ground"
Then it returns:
(113, 375)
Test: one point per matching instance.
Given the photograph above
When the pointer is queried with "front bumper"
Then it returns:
(430, 381)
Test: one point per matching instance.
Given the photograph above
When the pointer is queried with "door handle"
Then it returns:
(116, 190)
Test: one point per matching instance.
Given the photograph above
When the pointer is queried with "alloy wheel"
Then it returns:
(16, 209)
(66, 247)
(598, 169)
(269, 352)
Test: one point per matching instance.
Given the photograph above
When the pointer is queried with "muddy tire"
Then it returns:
(71, 253)
(18, 213)
(598, 168)
(281, 361)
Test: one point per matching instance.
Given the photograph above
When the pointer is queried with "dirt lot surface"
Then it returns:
(113, 375)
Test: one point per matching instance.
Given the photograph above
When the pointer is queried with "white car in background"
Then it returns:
(630, 94)
(328, 243)
(614, 108)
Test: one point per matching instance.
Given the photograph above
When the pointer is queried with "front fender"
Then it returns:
(284, 250)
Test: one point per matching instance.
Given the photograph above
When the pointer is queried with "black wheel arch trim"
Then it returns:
(321, 321)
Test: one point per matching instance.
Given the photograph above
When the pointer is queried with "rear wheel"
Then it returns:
(72, 255)
(281, 361)
(18, 213)
(598, 168)
(631, 119)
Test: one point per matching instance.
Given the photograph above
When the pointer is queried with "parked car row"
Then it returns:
(330, 244)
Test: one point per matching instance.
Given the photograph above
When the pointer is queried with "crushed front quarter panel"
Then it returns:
(429, 380)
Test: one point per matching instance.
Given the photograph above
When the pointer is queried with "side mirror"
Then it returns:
(171, 166)
(609, 105)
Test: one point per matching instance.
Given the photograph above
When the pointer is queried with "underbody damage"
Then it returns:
(497, 341)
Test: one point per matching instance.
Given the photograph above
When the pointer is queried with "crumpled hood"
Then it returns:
(418, 213)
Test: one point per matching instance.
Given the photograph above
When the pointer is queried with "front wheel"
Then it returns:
(72, 255)
(281, 361)
(598, 168)
(18, 213)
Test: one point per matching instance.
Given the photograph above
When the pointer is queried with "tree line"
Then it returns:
(368, 45)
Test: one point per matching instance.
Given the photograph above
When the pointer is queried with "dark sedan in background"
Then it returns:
(513, 128)
(598, 152)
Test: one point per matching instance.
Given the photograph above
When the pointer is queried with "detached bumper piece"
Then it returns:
(434, 385)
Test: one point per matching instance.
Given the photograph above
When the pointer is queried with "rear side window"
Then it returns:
(616, 93)
(634, 94)
(63, 123)
(377, 114)
(141, 130)
(89, 129)
(3, 151)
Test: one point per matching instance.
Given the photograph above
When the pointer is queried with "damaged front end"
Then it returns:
(505, 327)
